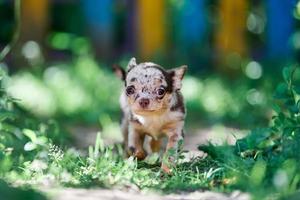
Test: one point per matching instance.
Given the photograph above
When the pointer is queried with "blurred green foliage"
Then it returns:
(79, 90)
(11, 193)
(84, 91)
(267, 160)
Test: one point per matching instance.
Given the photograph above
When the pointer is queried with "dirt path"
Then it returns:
(103, 194)
(85, 136)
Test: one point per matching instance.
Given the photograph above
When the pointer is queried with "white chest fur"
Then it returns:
(156, 125)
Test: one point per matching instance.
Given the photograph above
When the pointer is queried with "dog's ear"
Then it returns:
(131, 64)
(119, 71)
(177, 76)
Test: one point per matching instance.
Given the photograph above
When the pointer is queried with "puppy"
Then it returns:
(152, 105)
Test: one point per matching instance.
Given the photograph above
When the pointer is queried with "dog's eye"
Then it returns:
(130, 90)
(160, 91)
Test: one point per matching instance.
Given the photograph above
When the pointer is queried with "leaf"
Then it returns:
(288, 131)
(291, 105)
(277, 122)
(8, 127)
(29, 146)
(296, 89)
(289, 102)
(281, 117)
(281, 91)
(294, 109)
(276, 108)
(258, 172)
(5, 115)
(287, 72)
(99, 145)
(266, 143)
(30, 134)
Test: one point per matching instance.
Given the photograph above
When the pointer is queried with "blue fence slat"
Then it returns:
(280, 26)
(98, 13)
(192, 21)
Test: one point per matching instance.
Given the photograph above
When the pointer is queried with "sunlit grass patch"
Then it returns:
(80, 90)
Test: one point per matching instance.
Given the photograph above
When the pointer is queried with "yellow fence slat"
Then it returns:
(34, 14)
(150, 27)
(231, 30)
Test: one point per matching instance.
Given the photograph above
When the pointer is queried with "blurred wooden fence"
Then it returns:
(192, 31)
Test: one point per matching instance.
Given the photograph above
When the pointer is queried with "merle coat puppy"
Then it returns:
(152, 105)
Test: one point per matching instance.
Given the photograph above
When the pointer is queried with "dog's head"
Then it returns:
(148, 86)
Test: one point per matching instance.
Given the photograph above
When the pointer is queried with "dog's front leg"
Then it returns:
(155, 145)
(174, 136)
(135, 143)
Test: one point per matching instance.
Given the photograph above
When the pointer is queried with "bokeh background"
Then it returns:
(63, 50)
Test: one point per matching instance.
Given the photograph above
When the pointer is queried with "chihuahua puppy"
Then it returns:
(152, 105)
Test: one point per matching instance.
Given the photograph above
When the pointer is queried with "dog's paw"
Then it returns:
(168, 164)
(140, 155)
(166, 168)
(131, 151)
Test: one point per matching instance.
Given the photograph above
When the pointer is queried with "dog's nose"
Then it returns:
(144, 102)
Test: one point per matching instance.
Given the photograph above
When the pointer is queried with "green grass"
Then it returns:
(106, 167)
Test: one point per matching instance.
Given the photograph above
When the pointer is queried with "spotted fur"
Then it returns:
(152, 105)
